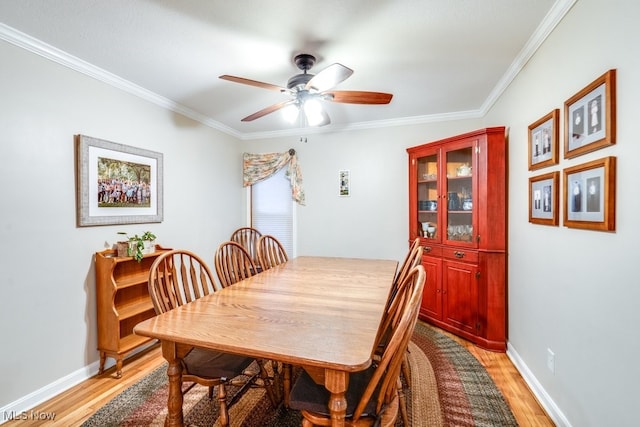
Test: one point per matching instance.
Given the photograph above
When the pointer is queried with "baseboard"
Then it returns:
(21, 409)
(547, 403)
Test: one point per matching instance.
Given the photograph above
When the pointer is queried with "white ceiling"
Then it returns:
(439, 58)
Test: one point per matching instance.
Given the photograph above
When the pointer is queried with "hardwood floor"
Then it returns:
(74, 406)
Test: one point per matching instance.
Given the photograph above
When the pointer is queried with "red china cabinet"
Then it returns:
(458, 206)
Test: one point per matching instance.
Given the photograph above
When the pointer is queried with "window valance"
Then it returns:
(257, 167)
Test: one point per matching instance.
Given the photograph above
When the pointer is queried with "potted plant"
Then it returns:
(136, 246)
(122, 246)
(149, 242)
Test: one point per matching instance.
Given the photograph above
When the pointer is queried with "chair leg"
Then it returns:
(222, 401)
(306, 423)
(286, 383)
(402, 402)
(268, 384)
(406, 371)
(277, 379)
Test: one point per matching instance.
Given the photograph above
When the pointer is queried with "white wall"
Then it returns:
(373, 221)
(47, 314)
(576, 291)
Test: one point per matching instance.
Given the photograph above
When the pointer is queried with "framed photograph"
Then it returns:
(543, 141)
(590, 117)
(117, 184)
(590, 195)
(543, 199)
(345, 183)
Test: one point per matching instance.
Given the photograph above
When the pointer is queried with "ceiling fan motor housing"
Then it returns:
(304, 61)
(299, 81)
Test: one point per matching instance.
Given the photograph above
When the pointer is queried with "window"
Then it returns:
(272, 209)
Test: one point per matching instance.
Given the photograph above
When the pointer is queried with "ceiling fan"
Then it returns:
(307, 90)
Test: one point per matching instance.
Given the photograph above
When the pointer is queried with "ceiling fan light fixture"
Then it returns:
(313, 112)
(290, 113)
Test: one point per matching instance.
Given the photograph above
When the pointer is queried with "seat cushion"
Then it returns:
(213, 364)
(309, 396)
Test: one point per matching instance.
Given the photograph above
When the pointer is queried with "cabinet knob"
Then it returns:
(458, 254)
(427, 249)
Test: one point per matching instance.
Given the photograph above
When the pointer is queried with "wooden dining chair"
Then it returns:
(392, 315)
(412, 259)
(247, 237)
(372, 395)
(271, 252)
(233, 263)
(178, 277)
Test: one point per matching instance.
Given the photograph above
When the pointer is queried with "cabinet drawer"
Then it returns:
(431, 250)
(460, 254)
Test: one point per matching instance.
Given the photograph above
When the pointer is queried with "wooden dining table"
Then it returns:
(320, 313)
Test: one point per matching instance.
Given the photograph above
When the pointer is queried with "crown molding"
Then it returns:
(557, 12)
(31, 44)
(54, 54)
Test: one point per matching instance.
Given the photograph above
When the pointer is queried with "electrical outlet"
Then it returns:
(551, 361)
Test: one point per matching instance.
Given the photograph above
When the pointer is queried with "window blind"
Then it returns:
(272, 209)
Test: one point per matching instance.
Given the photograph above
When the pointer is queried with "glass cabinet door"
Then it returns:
(428, 200)
(459, 194)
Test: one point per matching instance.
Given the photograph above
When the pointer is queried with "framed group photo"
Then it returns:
(116, 183)
(589, 194)
(543, 199)
(590, 117)
(543, 141)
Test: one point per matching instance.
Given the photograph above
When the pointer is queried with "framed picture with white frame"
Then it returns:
(344, 178)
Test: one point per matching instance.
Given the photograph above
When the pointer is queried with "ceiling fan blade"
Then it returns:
(358, 97)
(270, 109)
(255, 83)
(329, 77)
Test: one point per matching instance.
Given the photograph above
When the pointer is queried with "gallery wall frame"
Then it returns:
(344, 178)
(543, 141)
(590, 117)
(544, 199)
(589, 193)
(116, 183)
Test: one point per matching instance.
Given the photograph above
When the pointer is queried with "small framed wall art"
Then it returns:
(589, 194)
(344, 179)
(543, 141)
(543, 199)
(590, 117)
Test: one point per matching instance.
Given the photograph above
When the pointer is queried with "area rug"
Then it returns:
(449, 387)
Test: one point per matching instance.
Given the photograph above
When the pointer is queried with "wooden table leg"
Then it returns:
(174, 372)
(337, 383)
